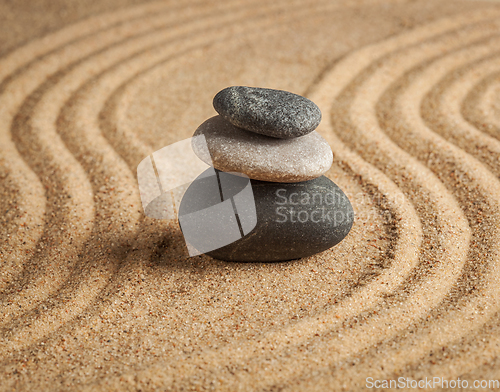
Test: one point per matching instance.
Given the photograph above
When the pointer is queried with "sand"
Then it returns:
(94, 296)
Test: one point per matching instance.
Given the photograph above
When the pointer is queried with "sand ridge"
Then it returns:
(95, 296)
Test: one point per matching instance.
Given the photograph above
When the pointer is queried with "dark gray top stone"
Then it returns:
(275, 113)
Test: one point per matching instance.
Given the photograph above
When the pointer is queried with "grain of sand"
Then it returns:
(96, 296)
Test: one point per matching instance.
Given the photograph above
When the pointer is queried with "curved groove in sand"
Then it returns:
(22, 213)
(399, 110)
(36, 73)
(68, 196)
(29, 209)
(91, 156)
(18, 84)
(139, 62)
(129, 71)
(452, 218)
(445, 212)
(50, 319)
(55, 99)
(441, 108)
(454, 167)
(480, 107)
(70, 179)
(403, 103)
(378, 99)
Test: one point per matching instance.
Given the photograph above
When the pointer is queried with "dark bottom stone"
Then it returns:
(219, 217)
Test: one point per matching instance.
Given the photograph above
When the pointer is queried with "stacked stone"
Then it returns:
(269, 135)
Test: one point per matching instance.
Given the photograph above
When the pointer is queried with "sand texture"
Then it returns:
(94, 296)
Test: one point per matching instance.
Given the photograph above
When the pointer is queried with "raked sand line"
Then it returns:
(55, 332)
(69, 204)
(23, 208)
(459, 265)
(29, 209)
(384, 290)
(484, 303)
(455, 168)
(13, 91)
(137, 27)
(302, 332)
(480, 107)
(476, 308)
(406, 102)
(39, 48)
(21, 337)
(441, 109)
(114, 187)
(54, 99)
(27, 212)
(481, 350)
(358, 103)
(48, 115)
(449, 208)
(127, 70)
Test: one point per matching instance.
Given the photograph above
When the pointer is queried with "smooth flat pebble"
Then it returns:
(282, 222)
(268, 112)
(260, 157)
